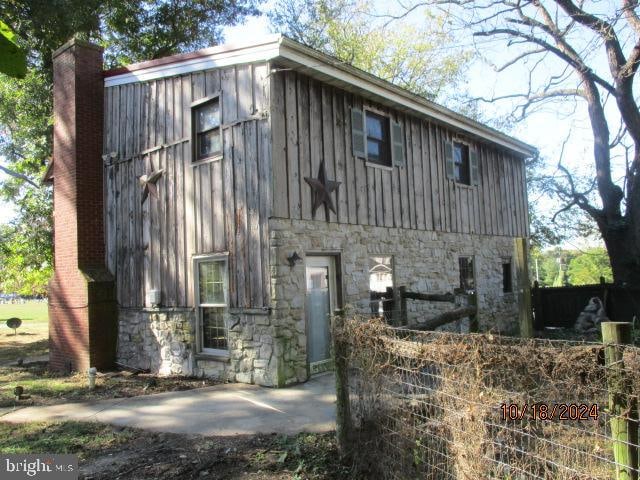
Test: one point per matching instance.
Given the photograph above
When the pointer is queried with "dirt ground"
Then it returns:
(108, 453)
(260, 457)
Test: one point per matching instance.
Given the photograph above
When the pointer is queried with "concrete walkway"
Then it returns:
(229, 409)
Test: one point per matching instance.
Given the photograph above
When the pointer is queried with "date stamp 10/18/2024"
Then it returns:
(550, 411)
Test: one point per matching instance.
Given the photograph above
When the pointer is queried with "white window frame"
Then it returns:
(197, 260)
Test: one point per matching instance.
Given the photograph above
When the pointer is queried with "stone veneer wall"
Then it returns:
(423, 262)
(163, 341)
(269, 348)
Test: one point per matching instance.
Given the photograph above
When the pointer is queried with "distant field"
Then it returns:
(32, 339)
(27, 312)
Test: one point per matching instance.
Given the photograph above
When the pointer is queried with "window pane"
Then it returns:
(208, 116)
(214, 332)
(375, 126)
(209, 143)
(373, 150)
(467, 281)
(380, 273)
(211, 282)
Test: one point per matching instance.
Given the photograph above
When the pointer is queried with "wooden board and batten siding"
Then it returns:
(312, 121)
(211, 207)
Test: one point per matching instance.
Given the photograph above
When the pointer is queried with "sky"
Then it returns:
(547, 129)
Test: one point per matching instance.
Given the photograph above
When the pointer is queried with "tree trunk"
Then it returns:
(623, 246)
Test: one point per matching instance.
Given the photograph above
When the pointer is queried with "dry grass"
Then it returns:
(31, 339)
(428, 404)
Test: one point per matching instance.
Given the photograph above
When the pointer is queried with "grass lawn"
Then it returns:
(31, 339)
(27, 312)
(107, 452)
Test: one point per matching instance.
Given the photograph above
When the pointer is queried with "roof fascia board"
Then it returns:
(292, 51)
(256, 53)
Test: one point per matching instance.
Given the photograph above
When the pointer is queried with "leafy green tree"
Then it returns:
(129, 30)
(13, 61)
(409, 55)
(587, 267)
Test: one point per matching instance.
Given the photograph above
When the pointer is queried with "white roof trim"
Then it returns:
(222, 56)
(278, 46)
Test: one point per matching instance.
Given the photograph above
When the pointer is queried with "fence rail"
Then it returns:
(439, 405)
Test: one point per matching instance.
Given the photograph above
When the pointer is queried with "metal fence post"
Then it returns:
(343, 407)
(623, 407)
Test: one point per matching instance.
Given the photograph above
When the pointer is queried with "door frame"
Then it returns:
(332, 260)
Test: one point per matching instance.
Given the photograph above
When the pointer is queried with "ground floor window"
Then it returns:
(380, 278)
(507, 286)
(467, 277)
(212, 294)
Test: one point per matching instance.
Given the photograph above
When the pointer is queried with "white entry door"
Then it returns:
(320, 303)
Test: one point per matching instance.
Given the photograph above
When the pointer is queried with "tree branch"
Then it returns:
(18, 175)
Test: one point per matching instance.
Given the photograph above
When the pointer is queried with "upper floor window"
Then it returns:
(378, 139)
(207, 132)
(461, 163)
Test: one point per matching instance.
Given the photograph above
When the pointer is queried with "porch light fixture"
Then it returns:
(293, 258)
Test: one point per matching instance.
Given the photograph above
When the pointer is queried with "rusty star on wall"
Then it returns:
(322, 190)
(148, 183)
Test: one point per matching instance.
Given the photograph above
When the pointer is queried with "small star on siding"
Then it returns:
(148, 183)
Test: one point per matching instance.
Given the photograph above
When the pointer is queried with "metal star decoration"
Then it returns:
(322, 190)
(148, 183)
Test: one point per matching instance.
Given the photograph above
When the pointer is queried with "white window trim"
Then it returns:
(369, 163)
(197, 260)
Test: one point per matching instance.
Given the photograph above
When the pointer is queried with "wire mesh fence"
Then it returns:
(439, 405)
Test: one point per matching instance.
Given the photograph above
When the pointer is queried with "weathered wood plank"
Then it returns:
(315, 140)
(378, 197)
(260, 87)
(189, 199)
(239, 160)
(327, 143)
(245, 91)
(304, 148)
(371, 195)
(387, 197)
(230, 212)
(206, 220)
(403, 173)
(170, 216)
(411, 191)
(155, 220)
(432, 158)
(293, 167)
(350, 189)
(361, 179)
(279, 147)
(418, 186)
(254, 257)
(426, 175)
(228, 85)
(217, 206)
(338, 126)
(211, 82)
(264, 195)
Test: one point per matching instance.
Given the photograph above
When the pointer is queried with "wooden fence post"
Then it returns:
(623, 407)
(524, 289)
(402, 302)
(474, 327)
(343, 405)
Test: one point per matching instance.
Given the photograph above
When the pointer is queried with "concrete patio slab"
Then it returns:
(230, 409)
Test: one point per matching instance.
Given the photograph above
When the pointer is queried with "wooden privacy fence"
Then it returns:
(560, 306)
(440, 405)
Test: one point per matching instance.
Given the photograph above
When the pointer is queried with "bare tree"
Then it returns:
(582, 37)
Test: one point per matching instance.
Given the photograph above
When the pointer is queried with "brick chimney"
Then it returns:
(82, 306)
